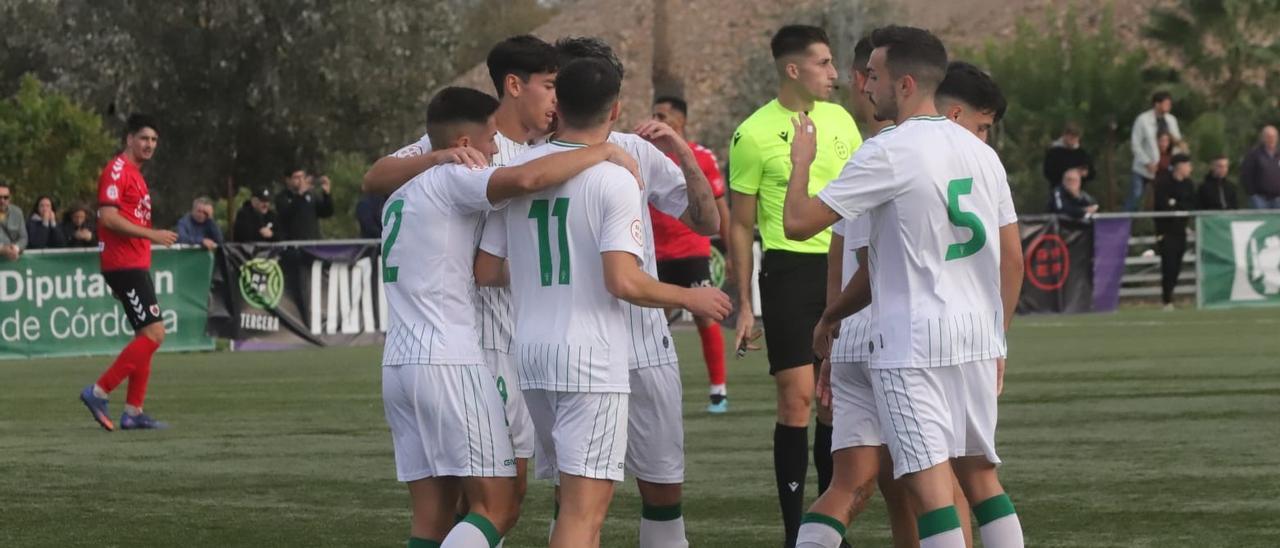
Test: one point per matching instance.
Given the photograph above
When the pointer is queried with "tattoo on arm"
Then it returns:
(701, 200)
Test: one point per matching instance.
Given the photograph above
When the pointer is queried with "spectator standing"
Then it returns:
(1216, 192)
(43, 231)
(198, 226)
(1143, 141)
(1260, 171)
(256, 222)
(300, 207)
(1174, 192)
(369, 214)
(78, 228)
(1066, 153)
(1069, 197)
(13, 226)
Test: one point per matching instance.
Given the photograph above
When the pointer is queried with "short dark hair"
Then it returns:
(523, 56)
(585, 91)
(454, 106)
(862, 54)
(675, 102)
(1072, 128)
(137, 122)
(572, 48)
(968, 84)
(1160, 96)
(794, 39)
(5, 184)
(912, 51)
(1178, 159)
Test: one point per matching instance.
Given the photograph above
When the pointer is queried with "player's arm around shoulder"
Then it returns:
(490, 268)
(556, 169)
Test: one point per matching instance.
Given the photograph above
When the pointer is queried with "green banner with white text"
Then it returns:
(57, 304)
(1239, 258)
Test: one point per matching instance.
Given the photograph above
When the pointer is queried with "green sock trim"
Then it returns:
(938, 521)
(823, 519)
(415, 542)
(661, 513)
(485, 526)
(457, 518)
(993, 509)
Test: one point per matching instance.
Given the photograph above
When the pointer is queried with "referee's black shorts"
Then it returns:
(793, 294)
(135, 291)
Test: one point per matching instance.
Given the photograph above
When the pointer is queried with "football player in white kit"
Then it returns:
(945, 294)
(442, 404)
(574, 252)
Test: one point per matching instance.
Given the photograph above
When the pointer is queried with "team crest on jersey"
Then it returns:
(113, 192)
(842, 149)
(637, 232)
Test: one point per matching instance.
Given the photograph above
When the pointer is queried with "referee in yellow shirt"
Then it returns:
(793, 275)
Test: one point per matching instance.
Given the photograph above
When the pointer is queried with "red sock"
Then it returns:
(138, 379)
(137, 352)
(713, 352)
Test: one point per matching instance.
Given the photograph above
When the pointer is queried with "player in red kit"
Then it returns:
(125, 233)
(684, 256)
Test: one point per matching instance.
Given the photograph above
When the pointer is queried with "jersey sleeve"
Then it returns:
(711, 168)
(494, 239)
(668, 190)
(745, 166)
(467, 189)
(865, 182)
(422, 146)
(838, 228)
(621, 228)
(857, 232)
(1005, 210)
(109, 189)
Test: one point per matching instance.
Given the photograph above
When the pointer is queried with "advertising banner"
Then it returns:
(1239, 260)
(57, 304)
(1058, 263)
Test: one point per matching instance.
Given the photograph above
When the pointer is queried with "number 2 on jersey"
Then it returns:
(394, 209)
(965, 219)
(542, 211)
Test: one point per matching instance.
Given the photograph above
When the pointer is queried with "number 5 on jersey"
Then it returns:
(965, 219)
(542, 211)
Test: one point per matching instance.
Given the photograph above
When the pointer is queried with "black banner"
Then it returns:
(1058, 259)
(268, 297)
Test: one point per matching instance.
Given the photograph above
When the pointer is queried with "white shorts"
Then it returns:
(930, 415)
(503, 367)
(655, 432)
(579, 433)
(446, 420)
(854, 417)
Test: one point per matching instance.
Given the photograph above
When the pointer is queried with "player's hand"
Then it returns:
(663, 137)
(709, 302)
(10, 252)
(209, 244)
(746, 333)
(999, 376)
(266, 232)
(325, 184)
(824, 383)
(616, 155)
(164, 237)
(823, 333)
(466, 156)
(804, 146)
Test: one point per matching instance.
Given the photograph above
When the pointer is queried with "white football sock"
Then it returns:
(946, 539)
(1005, 532)
(663, 534)
(815, 534)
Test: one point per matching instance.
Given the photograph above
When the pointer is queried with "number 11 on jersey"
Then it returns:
(542, 211)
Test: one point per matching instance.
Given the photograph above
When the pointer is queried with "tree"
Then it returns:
(51, 145)
(1057, 72)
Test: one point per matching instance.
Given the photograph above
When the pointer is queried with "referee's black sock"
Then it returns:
(790, 466)
(822, 455)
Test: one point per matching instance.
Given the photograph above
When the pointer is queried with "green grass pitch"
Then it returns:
(1135, 429)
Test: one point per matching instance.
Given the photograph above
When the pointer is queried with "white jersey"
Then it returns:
(569, 330)
(664, 188)
(856, 330)
(493, 304)
(937, 197)
(428, 252)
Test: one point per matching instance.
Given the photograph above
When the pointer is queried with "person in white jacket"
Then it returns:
(1146, 154)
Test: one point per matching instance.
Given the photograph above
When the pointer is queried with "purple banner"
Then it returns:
(1110, 247)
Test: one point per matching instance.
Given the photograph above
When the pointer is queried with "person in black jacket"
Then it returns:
(43, 231)
(1216, 192)
(1070, 199)
(1066, 153)
(255, 222)
(300, 207)
(78, 227)
(1174, 192)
